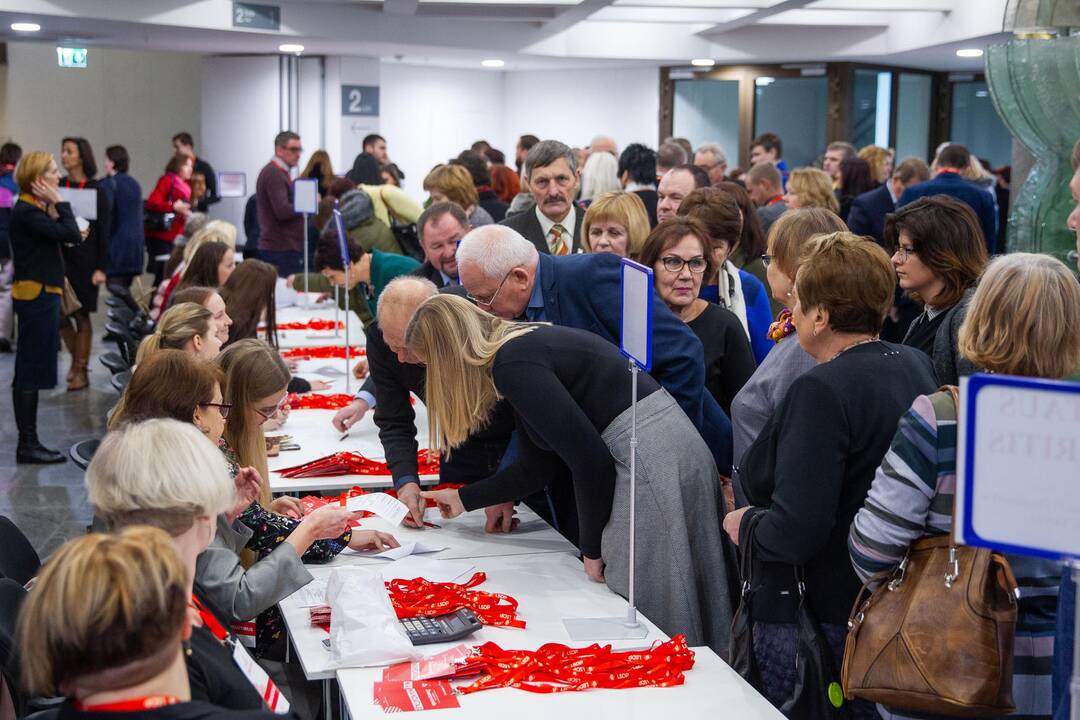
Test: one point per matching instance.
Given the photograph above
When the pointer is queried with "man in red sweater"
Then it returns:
(281, 230)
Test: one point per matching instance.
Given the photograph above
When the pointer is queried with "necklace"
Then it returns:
(857, 343)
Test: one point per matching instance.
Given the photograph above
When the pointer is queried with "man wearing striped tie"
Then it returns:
(554, 225)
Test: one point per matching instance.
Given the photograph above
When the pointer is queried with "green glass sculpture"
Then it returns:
(1034, 80)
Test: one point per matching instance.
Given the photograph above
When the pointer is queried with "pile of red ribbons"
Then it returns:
(317, 401)
(351, 463)
(322, 353)
(313, 324)
(558, 668)
(310, 502)
(421, 598)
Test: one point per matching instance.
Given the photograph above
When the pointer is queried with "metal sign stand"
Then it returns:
(305, 302)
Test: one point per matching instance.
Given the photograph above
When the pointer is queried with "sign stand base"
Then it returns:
(629, 627)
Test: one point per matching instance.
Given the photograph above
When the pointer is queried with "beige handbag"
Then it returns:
(69, 301)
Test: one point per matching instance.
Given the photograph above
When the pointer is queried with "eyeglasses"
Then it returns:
(766, 260)
(223, 408)
(268, 413)
(294, 148)
(904, 253)
(489, 301)
(675, 264)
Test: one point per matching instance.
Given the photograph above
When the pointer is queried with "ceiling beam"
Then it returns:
(571, 16)
(754, 17)
(400, 7)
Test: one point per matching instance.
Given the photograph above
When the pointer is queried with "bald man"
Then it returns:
(602, 143)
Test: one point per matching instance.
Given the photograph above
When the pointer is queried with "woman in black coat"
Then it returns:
(42, 225)
(87, 263)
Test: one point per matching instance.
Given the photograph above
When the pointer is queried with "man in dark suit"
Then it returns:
(441, 228)
(554, 225)
(868, 211)
(506, 276)
(637, 173)
(951, 162)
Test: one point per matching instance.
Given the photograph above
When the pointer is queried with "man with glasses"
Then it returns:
(506, 276)
(281, 230)
(554, 225)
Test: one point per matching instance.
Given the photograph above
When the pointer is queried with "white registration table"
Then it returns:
(324, 310)
(712, 690)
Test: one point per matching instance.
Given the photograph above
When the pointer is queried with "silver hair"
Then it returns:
(715, 149)
(671, 154)
(495, 250)
(404, 292)
(546, 152)
(601, 175)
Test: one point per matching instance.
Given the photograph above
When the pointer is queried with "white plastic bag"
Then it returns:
(364, 629)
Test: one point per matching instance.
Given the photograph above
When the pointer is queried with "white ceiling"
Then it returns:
(543, 34)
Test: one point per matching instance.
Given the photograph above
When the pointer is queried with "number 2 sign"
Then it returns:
(360, 100)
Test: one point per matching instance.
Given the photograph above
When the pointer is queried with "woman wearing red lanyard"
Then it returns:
(167, 210)
(181, 487)
(87, 262)
(106, 625)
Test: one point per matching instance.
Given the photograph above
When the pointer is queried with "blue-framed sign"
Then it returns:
(343, 244)
(635, 334)
(1018, 465)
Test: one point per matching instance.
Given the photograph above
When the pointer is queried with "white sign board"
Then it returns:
(306, 196)
(232, 184)
(83, 202)
(1018, 465)
(635, 338)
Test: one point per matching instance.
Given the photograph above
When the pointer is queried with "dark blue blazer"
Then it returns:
(952, 184)
(127, 241)
(584, 291)
(868, 211)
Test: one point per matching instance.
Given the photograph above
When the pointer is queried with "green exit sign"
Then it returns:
(71, 57)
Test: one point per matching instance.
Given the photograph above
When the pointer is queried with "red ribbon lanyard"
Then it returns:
(209, 621)
(422, 598)
(322, 353)
(351, 463)
(150, 702)
(67, 183)
(316, 401)
(558, 668)
(313, 324)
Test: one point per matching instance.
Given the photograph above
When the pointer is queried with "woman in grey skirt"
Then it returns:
(570, 391)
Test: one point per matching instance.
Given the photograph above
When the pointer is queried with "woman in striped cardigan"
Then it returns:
(1024, 320)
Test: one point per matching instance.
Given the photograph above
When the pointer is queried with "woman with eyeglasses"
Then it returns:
(570, 391)
(256, 380)
(726, 285)
(678, 252)
(940, 254)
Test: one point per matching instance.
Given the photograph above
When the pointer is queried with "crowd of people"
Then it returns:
(796, 434)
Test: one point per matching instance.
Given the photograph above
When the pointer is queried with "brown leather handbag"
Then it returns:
(936, 636)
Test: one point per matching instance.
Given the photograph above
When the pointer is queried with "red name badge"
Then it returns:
(412, 695)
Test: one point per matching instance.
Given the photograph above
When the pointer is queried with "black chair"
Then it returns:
(121, 314)
(114, 362)
(114, 302)
(19, 561)
(81, 453)
(114, 330)
(120, 380)
(125, 340)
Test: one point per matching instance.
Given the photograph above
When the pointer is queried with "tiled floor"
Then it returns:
(48, 502)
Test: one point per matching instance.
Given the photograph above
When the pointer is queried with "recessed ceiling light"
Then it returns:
(492, 63)
(702, 62)
(969, 53)
(291, 48)
(25, 27)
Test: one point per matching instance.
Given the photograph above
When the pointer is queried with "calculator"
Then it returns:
(441, 628)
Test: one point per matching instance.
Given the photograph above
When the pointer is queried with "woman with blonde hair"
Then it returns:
(106, 627)
(569, 390)
(880, 161)
(599, 176)
(187, 327)
(319, 167)
(256, 379)
(809, 187)
(1024, 319)
(615, 222)
(454, 183)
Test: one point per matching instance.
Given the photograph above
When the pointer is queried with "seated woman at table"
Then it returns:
(188, 327)
(249, 296)
(1024, 319)
(166, 474)
(211, 266)
(210, 231)
(809, 470)
(106, 625)
(569, 391)
(255, 382)
(678, 251)
(210, 299)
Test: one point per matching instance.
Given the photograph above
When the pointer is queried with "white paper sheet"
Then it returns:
(407, 549)
(314, 593)
(388, 508)
(83, 201)
(430, 569)
(329, 371)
